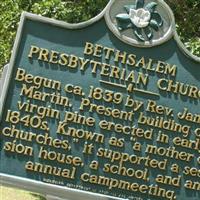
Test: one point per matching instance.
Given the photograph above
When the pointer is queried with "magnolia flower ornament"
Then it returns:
(142, 19)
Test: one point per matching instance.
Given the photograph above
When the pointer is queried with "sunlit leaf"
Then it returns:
(153, 23)
(123, 17)
(139, 4)
(123, 21)
(148, 32)
(123, 26)
(151, 6)
(156, 16)
(128, 7)
(138, 33)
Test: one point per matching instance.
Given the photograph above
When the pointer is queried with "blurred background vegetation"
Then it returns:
(187, 14)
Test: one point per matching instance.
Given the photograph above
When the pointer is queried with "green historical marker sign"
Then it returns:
(109, 106)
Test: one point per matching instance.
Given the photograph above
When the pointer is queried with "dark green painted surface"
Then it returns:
(72, 42)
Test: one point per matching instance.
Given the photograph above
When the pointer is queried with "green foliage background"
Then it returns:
(187, 14)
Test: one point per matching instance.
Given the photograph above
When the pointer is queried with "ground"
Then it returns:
(15, 194)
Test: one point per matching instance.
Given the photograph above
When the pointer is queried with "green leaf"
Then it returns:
(128, 7)
(123, 21)
(123, 17)
(151, 6)
(153, 23)
(139, 4)
(123, 26)
(148, 32)
(156, 16)
(138, 33)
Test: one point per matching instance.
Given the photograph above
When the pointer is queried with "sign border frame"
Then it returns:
(38, 186)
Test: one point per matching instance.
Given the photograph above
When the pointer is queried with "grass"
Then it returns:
(16, 194)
